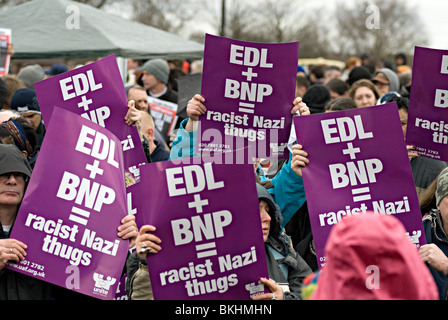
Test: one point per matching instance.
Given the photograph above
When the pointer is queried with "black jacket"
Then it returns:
(434, 233)
(18, 286)
(170, 95)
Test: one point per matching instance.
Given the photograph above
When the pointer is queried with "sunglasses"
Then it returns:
(18, 176)
(380, 84)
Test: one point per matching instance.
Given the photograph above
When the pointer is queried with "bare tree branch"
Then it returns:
(399, 28)
(95, 3)
(168, 15)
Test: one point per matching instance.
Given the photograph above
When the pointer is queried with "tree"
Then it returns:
(95, 3)
(168, 15)
(380, 28)
(238, 14)
(273, 21)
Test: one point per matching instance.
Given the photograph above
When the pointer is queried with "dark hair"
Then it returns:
(332, 68)
(402, 56)
(318, 70)
(316, 97)
(3, 93)
(341, 103)
(337, 85)
(301, 81)
(358, 73)
(428, 199)
(402, 103)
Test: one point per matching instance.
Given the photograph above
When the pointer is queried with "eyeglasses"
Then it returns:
(380, 84)
(18, 176)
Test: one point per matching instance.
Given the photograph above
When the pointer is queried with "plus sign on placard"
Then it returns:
(198, 203)
(85, 103)
(94, 169)
(249, 74)
(351, 151)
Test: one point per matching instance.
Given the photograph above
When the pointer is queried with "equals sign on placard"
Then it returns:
(206, 250)
(361, 194)
(246, 107)
(79, 216)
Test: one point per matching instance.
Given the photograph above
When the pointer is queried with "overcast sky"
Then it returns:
(434, 14)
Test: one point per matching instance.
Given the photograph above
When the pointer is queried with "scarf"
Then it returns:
(16, 131)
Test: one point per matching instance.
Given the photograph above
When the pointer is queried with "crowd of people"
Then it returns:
(285, 223)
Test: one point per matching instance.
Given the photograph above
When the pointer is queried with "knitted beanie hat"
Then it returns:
(158, 68)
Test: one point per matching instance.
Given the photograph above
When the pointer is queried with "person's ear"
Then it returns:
(151, 132)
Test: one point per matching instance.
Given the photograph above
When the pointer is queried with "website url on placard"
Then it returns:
(29, 267)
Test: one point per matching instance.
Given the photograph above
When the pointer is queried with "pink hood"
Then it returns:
(372, 249)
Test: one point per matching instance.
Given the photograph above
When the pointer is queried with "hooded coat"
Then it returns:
(280, 242)
(369, 257)
(138, 284)
(14, 285)
(394, 82)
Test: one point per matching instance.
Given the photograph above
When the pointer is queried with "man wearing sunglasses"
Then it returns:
(14, 174)
(386, 81)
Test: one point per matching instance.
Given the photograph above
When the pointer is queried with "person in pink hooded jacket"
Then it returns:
(369, 257)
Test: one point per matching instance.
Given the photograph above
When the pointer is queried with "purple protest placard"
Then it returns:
(358, 163)
(72, 208)
(136, 201)
(248, 89)
(96, 92)
(210, 227)
(427, 127)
